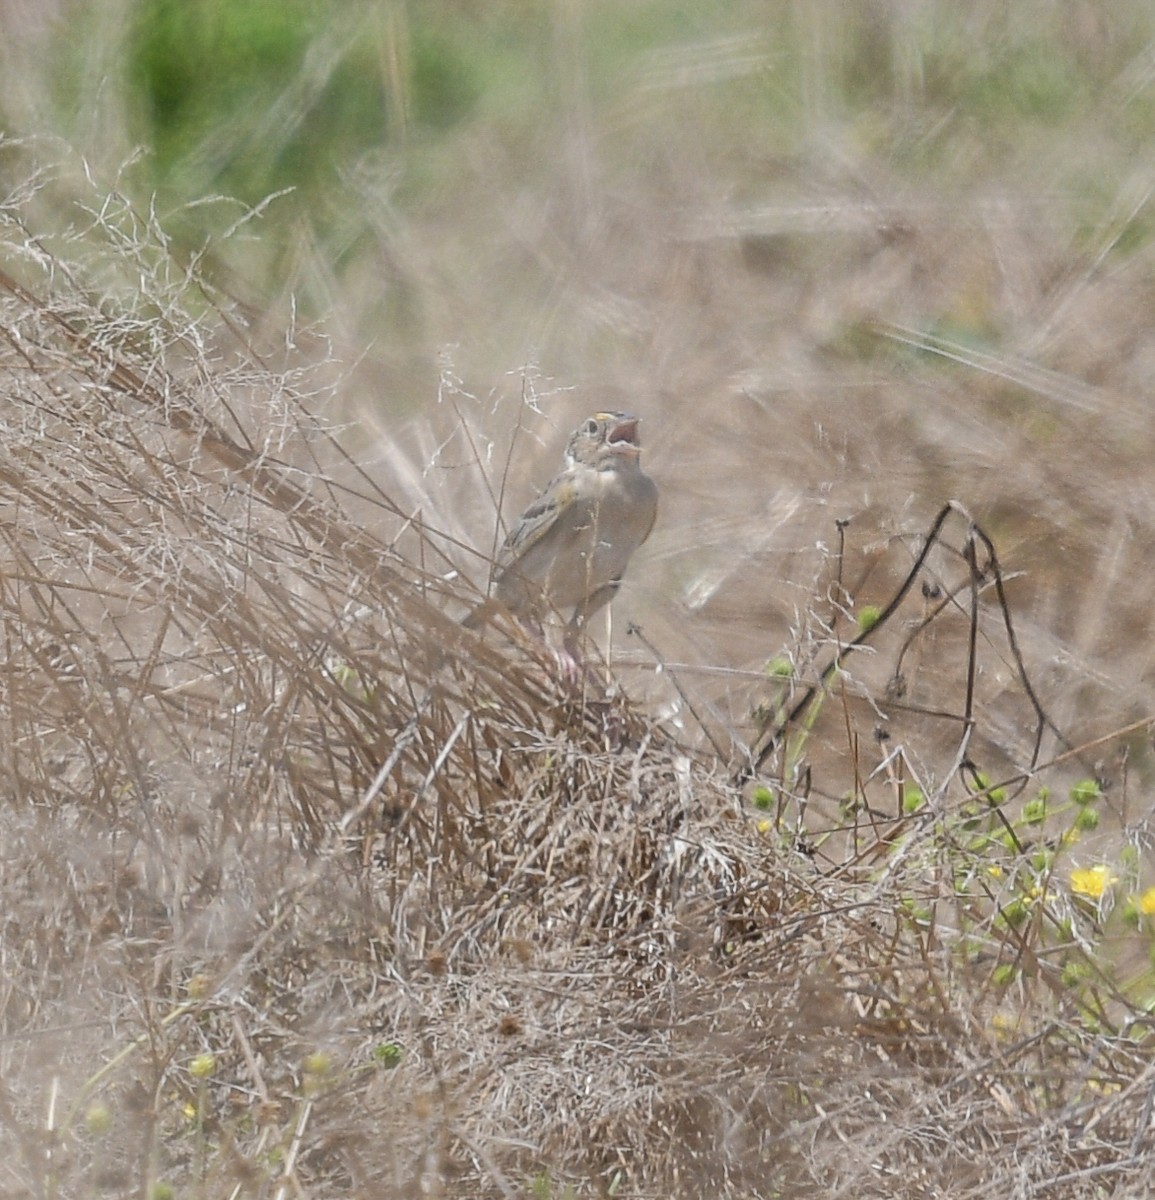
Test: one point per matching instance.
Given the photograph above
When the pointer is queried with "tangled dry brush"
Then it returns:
(308, 891)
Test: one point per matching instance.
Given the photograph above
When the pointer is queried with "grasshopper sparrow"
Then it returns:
(571, 546)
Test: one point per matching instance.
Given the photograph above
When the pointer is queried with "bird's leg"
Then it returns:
(594, 603)
(569, 657)
(576, 628)
(564, 660)
(534, 628)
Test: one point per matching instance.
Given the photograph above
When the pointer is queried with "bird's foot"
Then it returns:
(569, 664)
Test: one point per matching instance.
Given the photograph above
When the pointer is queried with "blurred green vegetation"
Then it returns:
(246, 97)
(370, 118)
(229, 86)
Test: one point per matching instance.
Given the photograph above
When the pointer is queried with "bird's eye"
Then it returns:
(591, 427)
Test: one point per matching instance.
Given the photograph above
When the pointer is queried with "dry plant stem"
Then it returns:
(840, 564)
(948, 599)
(768, 742)
(1025, 375)
(1143, 1123)
(504, 1184)
(1044, 722)
(636, 631)
(407, 735)
(348, 542)
(288, 1178)
(972, 651)
(497, 499)
(1078, 752)
(1115, 1167)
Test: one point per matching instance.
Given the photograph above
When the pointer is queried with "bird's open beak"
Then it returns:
(623, 437)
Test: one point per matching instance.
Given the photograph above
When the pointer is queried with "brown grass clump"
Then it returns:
(309, 891)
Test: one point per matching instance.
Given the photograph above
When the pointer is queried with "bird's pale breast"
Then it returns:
(590, 544)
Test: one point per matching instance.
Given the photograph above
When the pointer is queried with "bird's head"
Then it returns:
(605, 440)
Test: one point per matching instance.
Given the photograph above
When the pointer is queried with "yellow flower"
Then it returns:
(1147, 902)
(1004, 1024)
(202, 1066)
(1091, 881)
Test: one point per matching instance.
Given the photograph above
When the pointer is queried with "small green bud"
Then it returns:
(1074, 973)
(388, 1054)
(868, 617)
(1088, 818)
(317, 1063)
(98, 1119)
(1086, 791)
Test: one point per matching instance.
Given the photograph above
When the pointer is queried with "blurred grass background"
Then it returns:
(847, 262)
(716, 215)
